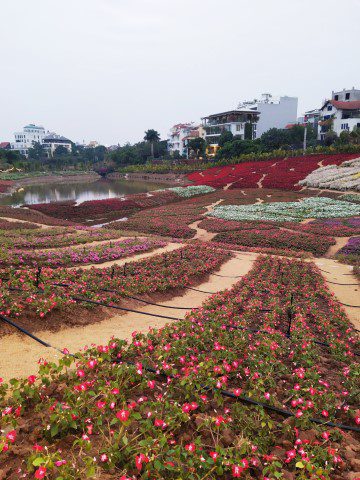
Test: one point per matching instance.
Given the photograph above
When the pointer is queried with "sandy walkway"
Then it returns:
(260, 182)
(202, 234)
(340, 242)
(19, 354)
(134, 258)
(349, 294)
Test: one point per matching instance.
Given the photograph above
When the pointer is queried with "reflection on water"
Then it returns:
(80, 192)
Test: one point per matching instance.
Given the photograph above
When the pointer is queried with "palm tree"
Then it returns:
(152, 136)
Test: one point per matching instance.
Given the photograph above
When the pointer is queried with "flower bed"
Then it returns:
(159, 273)
(6, 225)
(217, 225)
(312, 207)
(5, 185)
(343, 177)
(350, 197)
(351, 248)
(316, 244)
(52, 238)
(76, 256)
(100, 419)
(281, 173)
(31, 216)
(191, 191)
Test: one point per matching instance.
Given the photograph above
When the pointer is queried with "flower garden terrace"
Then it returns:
(261, 382)
(32, 294)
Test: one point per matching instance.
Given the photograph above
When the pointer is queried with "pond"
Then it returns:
(81, 191)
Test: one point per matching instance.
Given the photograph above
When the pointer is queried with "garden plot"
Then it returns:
(343, 177)
(312, 207)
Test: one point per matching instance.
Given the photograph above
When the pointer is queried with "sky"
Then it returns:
(108, 70)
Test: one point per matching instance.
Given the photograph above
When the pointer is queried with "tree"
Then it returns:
(225, 137)
(60, 151)
(274, 139)
(152, 136)
(37, 151)
(330, 138)
(197, 145)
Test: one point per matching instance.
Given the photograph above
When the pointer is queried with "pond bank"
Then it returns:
(166, 178)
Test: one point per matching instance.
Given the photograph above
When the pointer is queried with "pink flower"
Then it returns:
(123, 415)
(11, 436)
(214, 455)
(31, 379)
(40, 472)
(190, 447)
(325, 413)
(139, 460)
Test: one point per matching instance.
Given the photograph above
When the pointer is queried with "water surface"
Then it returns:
(80, 191)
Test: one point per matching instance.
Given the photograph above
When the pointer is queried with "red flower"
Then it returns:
(11, 436)
(40, 472)
(190, 447)
(123, 415)
(139, 460)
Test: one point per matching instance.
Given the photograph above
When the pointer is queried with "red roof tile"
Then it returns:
(354, 105)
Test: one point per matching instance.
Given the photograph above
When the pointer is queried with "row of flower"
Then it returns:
(53, 238)
(316, 244)
(276, 173)
(29, 215)
(343, 227)
(311, 207)
(170, 220)
(68, 257)
(335, 177)
(6, 225)
(351, 197)
(159, 273)
(352, 247)
(159, 411)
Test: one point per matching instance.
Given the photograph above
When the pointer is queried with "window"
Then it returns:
(238, 127)
(329, 108)
(347, 96)
(336, 97)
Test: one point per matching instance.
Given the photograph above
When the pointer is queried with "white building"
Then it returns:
(240, 122)
(176, 138)
(52, 141)
(26, 139)
(275, 112)
(341, 113)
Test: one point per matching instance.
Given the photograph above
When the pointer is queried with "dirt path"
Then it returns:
(134, 258)
(260, 182)
(334, 271)
(258, 201)
(202, 234)
(19, 354)
(340, 242)
(228, 185)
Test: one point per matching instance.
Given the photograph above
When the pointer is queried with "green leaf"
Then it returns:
(38, 461)
(54, 430)
(299, 465)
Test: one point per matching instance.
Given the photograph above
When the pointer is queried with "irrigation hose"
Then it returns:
(103, 304)
(225, 393)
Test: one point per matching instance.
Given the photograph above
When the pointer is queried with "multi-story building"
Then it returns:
(195, 132)
(52, 141)
(176, 138)
(240, 122)
(312, 117)
(341, 113)
(5, 145)
(26, 139)
(275, 112)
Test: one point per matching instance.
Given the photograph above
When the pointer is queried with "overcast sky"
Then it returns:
(107, 70)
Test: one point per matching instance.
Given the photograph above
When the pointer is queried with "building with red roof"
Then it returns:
(341, 113)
